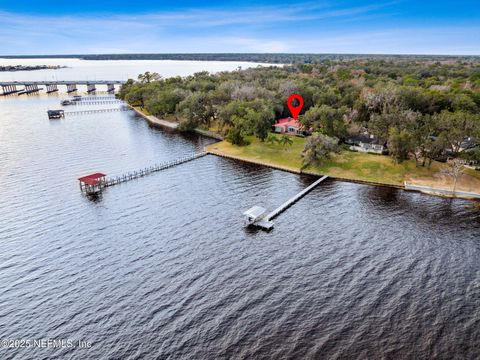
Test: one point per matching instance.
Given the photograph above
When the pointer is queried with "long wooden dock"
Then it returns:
(93, 111)
(151, 169)
(293, 200)
(94, 102)
(98, 97)
(265, 222)
(10, 87)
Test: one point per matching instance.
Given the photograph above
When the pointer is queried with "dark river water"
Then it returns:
(162, 267)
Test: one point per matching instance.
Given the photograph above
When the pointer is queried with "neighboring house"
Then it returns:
(288, 126)
(366, 143)
(468, 143)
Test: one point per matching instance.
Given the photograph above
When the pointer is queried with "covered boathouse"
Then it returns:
(55, 114)
(92, 184)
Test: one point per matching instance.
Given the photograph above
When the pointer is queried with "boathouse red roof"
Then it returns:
(92, 179)
(89, 181)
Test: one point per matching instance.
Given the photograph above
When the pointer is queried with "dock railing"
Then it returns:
(151, 169)
(94, 111)
(293, 200)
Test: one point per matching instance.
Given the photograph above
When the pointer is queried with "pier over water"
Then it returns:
(15, 87)
(255, 215)
(100, 181)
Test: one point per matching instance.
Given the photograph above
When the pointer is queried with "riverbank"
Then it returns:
(154, 121)
(353, 167)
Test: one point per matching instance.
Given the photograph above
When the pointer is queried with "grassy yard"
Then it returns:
(347, 164)
(258, 151)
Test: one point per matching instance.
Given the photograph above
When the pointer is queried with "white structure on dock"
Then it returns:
(255, 216)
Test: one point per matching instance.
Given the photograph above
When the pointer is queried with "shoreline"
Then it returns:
(156, 122)
(406, 186)
(153, 120)
(161, 123)
(298, 171)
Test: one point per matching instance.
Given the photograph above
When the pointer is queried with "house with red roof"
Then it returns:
(288, 126)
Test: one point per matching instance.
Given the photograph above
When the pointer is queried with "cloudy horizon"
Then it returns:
(383, 27)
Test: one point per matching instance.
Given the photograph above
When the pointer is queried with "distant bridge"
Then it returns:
(29, 87)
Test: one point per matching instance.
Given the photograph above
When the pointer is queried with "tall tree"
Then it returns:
(318, 147)
(148, 77)
(326, 119)
(196, 110)
(400, 144)
(455, 127)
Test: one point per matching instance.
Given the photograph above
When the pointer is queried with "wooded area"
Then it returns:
(425, 108)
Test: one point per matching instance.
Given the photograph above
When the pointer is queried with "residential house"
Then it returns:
(366, 143)
(288, 126)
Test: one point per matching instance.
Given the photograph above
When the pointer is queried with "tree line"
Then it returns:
(274, 58)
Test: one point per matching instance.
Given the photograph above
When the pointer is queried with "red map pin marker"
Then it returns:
(295, 110)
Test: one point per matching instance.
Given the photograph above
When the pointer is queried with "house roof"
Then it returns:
(468, 143)
(288, 122)
(366, 139)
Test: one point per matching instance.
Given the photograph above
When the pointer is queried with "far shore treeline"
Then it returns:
(422, 108)
(272, 58)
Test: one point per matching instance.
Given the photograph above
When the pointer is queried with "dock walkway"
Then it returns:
(148, 170)
(265, 222)
(93, 111)
(293, 200)
(98, 97)
(95, 102)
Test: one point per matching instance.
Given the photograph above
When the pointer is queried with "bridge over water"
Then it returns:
(29, 87)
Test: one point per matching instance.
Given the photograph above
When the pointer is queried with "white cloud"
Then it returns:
(429, 40)
(254, 29)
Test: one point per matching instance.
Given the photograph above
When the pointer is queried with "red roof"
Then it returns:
(96, 175)
(92, 179)
(288, 122)
(89, 181)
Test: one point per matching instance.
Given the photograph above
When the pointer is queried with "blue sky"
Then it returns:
(106, 26)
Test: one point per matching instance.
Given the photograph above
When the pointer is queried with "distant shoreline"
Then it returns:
(270, 58)
(13, 68)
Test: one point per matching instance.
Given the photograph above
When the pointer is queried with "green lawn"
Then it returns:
(347, 164)
(258, 151)
(371, 167)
